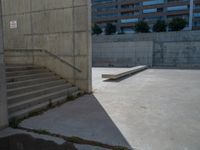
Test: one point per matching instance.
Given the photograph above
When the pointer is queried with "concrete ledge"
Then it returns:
(124, 72)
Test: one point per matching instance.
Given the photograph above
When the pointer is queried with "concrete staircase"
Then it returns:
(32, 88)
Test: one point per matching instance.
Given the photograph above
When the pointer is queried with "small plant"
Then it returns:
(50, 104)
(160, 26)
(177, 24)
(142, 27)
(14, 122)
(43, 132)
(96, 30)
(110, 29)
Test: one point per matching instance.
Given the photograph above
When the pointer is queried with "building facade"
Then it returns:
(126, 13)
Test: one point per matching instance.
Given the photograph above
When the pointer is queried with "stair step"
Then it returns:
(77, 93)
(18, 84)
(11, 68)
(25, 112)
(25, 72)
(27, 77)
(29, 88)
(37, 93)
(32, 88)
(44, 98)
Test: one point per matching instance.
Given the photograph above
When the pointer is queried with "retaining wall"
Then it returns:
(171, 49)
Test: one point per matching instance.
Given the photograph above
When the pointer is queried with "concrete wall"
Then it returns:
(122, 53)
(177, 54)
(59, 26)
(171, 49)
(3, 100)
(162, 36)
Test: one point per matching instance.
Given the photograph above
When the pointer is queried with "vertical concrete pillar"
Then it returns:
(3, 99)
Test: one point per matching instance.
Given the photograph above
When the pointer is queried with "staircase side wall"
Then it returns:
(59, 26)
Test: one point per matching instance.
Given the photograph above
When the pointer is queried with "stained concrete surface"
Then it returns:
(26, 141)
(157, 109)
(83, 118)
(10, 132)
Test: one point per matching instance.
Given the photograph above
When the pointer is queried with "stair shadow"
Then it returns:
(85, 118)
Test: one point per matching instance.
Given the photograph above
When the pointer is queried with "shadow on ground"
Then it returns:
(27, 142)
(84, 118)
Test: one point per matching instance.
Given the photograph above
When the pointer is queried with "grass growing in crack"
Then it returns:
(75, 140)
(43, 132)
(14, 122)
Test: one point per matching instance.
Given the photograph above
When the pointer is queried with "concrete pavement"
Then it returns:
(84, 118)
(157, 109)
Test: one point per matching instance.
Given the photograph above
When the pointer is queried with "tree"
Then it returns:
(160, 26)
(177, 24)
(110, 29)
(142, 27)
(96, 29)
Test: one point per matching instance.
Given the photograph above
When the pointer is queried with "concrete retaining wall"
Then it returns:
(171, 49)
(122, 53)
(177, 54)
(59, 26)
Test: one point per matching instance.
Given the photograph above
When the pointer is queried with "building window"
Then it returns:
(197, 6)
(197, 23)
(197, 14)
(159, 9)
(177, 8)
(153, 2)
(131, 20)
(146, 11)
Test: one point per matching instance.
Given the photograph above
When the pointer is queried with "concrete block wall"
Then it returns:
(59, 26)
(170, 49)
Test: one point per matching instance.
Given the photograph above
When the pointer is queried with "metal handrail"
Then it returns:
(47, 52)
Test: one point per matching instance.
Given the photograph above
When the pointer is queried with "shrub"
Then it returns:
(160, 26)
(110, 29)
(177, 24)
(96, 30)
(142, 27)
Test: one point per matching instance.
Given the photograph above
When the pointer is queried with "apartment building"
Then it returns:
(126, 13)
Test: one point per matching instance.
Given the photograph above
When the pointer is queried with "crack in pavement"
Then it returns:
(76, 140)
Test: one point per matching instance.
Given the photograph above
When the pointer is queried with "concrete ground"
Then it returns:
(157, 109)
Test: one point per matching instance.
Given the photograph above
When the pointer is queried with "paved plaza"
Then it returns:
(157, 109)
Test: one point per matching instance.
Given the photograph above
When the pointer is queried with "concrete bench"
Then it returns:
(118, 73)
